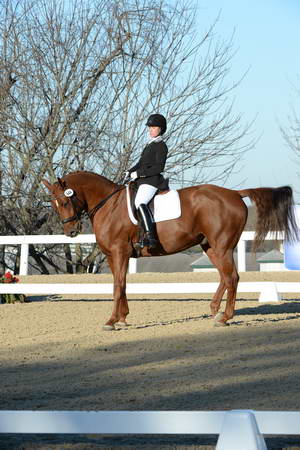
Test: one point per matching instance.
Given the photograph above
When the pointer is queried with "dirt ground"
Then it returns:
(55, 356)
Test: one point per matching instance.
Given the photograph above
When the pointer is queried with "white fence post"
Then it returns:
(241, 253)
(132, 268)
(24, 259)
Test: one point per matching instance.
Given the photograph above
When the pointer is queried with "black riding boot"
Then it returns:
(148, 227)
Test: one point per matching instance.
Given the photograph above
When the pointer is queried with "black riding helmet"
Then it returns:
(157, 120)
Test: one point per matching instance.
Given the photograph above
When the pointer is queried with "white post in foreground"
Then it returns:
(240, 431)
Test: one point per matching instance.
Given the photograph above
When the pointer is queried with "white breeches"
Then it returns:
(144, 194)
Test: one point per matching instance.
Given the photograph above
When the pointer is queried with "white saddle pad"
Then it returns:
(166, 206)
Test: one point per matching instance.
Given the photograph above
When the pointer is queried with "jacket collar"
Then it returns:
(156, 139)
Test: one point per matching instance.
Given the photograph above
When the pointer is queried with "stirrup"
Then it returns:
(149, 241)
(137, 246)
(146, 242)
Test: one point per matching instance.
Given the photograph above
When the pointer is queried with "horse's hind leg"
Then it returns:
(229, 280)
(217, 298)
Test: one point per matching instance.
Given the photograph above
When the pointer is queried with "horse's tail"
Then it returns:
(275, 212)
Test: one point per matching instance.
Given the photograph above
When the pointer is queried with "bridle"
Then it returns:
(69, 193)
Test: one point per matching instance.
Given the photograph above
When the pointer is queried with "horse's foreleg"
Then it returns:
(119, 266)
(123, 309)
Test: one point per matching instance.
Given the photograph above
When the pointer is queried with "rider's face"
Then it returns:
(154, 131)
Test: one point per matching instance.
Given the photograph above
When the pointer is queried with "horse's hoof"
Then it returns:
(218, 317)
(221, 324)
(108, 328)
(123, 324)
(218, 320)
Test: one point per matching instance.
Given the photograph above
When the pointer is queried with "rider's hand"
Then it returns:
(133, 175)
(126, 174)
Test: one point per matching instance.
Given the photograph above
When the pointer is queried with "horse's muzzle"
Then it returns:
(73, 231)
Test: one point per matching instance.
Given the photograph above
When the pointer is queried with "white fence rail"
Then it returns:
(236, 429)
(25, 241)
(268, 291)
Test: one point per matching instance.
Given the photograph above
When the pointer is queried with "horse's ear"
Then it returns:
(47, 184)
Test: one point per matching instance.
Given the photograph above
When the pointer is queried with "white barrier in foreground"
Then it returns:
(236, 429)
(268, 290)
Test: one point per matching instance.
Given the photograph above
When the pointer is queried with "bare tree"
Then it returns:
(291, 131)
(78, 80)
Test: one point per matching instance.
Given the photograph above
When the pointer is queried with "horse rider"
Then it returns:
(148, 175)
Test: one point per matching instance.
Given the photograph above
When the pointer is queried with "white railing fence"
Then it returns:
(237, 429)
(25, 241)
(268, 291)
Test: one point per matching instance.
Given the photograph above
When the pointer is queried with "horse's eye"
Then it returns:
(65, 204)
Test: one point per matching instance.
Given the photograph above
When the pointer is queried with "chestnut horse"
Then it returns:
(211, 216)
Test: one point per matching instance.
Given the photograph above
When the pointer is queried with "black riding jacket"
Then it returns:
(151, 164)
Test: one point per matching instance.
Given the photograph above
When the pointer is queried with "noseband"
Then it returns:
(70, 219)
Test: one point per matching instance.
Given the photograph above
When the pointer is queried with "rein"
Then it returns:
(99, 205)
(92, 212)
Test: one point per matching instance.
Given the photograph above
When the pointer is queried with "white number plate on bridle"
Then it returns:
(69, 192)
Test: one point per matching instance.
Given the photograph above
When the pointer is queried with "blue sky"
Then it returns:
(267, 42)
